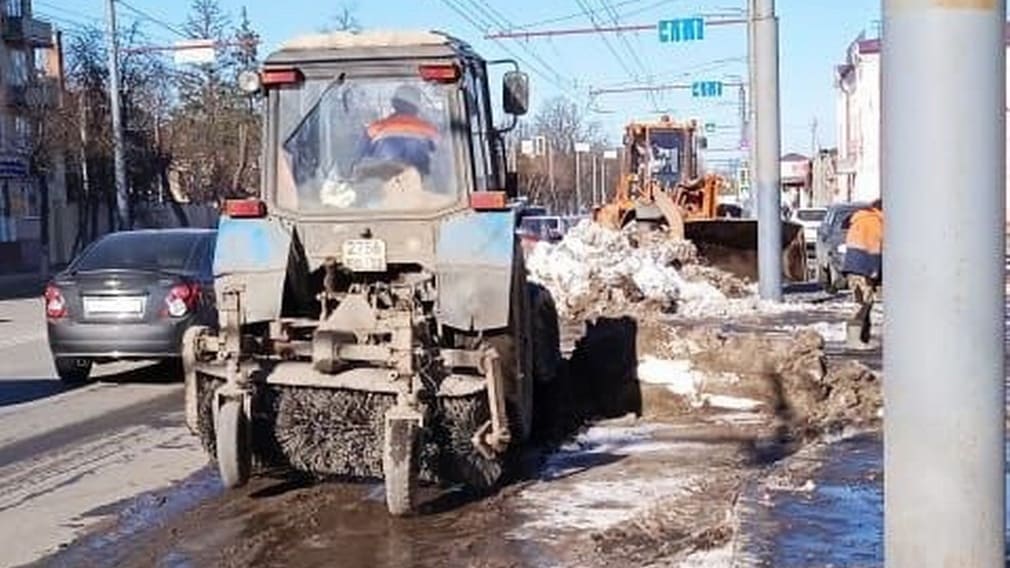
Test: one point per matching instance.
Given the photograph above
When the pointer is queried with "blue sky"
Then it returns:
(814, 35)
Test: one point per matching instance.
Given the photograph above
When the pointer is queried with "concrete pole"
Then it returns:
(749, 129)
(603, 181)
(595, 183)
(578, 185)
(119, 156)
(766, 98)
(943, 363)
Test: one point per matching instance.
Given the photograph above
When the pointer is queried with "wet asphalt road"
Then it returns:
(65, 454)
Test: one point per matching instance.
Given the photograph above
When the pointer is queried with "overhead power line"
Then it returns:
(654, 88)
(544, 73)
(580, 14)
(147, 16)
(529, 34)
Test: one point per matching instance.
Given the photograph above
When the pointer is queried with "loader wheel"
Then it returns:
(399, 465)
(232, 442)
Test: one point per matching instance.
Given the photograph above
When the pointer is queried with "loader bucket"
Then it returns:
(731, 244)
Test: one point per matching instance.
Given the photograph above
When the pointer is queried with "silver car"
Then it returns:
(130, 295)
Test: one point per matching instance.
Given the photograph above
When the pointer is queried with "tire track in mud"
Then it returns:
(53, 485)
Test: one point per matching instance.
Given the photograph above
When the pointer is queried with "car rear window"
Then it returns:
(170, 252)
(811, 214)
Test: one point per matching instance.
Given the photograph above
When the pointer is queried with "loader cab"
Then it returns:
(382, 126)
(664, 153)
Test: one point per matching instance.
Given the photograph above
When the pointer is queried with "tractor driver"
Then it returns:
(404, 136)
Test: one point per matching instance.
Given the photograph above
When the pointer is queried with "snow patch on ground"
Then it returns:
(713, 558)
(831, 331)
(585, 485)
(681, 379)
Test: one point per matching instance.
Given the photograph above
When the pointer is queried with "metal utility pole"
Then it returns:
(578, 185)
(603, 180)
(765, 31)
(122, 197)
(749, 129)
(550, 171)
(944, 491)
(596, 180)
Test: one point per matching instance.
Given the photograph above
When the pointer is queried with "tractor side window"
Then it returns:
(476, 104)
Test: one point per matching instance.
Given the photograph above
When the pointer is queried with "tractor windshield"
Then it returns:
(382, 144)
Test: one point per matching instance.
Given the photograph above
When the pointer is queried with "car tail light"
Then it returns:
(56, 304)
(445, 73)
(245, 208)
(181, 300)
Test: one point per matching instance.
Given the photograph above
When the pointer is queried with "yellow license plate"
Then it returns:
(365, 255)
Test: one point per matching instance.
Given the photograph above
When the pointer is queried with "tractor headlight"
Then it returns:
(249, 81)
(841, 248)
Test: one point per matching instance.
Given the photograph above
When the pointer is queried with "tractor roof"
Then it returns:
(377, 44)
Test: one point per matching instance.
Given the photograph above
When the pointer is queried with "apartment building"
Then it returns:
(30, 76)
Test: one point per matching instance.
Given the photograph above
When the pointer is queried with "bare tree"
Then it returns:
(146, 90)
(345, 19)
(550, 180)
(214, 114)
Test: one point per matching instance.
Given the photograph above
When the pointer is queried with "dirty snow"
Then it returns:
(598, 270)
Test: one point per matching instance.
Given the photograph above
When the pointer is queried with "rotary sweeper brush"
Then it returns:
(375, 319)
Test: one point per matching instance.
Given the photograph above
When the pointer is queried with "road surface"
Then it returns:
(66, 455)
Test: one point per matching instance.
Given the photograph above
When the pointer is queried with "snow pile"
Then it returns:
(598, 271)
(594, 268)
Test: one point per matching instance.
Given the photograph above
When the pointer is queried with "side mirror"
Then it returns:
(703, 143)
(516, 93)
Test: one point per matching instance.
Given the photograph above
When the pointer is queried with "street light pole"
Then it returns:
(944, 487)
(765, 26)
(119, 153)
(578, 184)
(595, 183)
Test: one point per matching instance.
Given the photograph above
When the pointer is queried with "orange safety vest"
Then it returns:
(402, 125)
(866, 231)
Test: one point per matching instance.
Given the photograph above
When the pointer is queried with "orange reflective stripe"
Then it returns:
(402, 125)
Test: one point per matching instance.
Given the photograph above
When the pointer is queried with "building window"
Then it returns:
(19, 67)
(13, 8)
(22, 132)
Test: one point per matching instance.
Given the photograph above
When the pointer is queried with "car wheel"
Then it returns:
(73, 370)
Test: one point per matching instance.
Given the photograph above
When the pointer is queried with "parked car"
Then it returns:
(130, 296)
(810, 218)
(830, 249)
(536, 228)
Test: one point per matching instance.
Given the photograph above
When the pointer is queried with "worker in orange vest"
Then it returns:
(864, 245)
(404, 136)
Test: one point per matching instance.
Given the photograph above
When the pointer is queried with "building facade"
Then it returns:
(30, 80)
(858, 122)
(857, 88)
